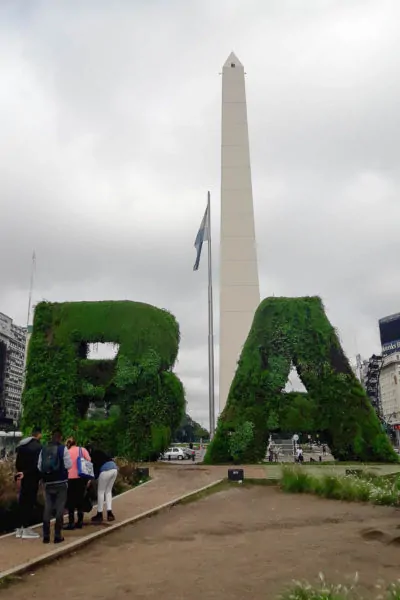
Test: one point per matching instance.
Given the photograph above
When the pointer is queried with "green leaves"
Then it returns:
(296, 331)
(61, 382)
(240, 440)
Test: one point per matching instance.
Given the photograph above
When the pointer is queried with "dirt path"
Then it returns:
(167, 484)
(239, 543)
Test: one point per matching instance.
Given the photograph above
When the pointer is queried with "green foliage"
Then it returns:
(324, 590)
(101, 434)
(297, 413)
(367, 488)
(296, 331)
(273, 421)
(304, 591)
(240, 440)
(61, 382)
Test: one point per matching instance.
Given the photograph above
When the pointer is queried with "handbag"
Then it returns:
(85, 467)
(87, 504)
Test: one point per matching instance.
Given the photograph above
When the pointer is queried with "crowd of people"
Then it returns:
(67, 472)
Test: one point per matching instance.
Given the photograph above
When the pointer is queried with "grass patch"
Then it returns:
(326, 591)
(7, 581)
(364, 487)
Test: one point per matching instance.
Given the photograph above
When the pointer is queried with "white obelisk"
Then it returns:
(239, 285)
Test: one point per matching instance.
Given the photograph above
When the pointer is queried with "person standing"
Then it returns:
(27, 477)
(300, 457)
(54, 463)
(76, 485)
(105, 471)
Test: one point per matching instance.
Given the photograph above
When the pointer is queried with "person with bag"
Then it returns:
(54, 463)
(27, 478)
(78, 477)
(105, 471)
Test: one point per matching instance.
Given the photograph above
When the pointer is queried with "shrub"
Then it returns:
(376, 490)
(328, 591)
(127, 477)
(7, 485)
(296, 481)
(296, 331)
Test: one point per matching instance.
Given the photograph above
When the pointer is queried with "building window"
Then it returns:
(233, 65)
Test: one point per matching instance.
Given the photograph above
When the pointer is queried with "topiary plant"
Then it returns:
(296, 331)
(61, 382)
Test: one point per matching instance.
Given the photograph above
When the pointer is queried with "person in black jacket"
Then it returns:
(28, 478)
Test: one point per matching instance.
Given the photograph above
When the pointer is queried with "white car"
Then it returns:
(174, 454)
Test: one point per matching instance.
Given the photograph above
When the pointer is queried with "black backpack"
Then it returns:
(52, 459)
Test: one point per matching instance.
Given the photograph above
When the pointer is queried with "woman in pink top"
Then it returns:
(76, 486)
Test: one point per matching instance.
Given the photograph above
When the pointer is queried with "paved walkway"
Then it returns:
(168, 483)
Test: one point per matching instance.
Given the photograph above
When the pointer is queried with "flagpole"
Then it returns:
(210, 327)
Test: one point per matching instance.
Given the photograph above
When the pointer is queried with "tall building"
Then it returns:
(12, 361)
(239, 285)
(3, 357)
(369, 374)
(389, 380)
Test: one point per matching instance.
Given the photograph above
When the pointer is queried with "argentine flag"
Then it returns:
(202, 236)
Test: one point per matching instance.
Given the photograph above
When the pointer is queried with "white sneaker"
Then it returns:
(18, 532)
(29, 534)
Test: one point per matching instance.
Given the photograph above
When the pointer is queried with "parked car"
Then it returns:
(174, 454)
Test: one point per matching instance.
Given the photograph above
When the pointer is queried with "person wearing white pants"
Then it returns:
(106, 484)
(105, 471)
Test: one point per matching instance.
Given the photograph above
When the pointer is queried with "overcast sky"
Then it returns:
(110, 138)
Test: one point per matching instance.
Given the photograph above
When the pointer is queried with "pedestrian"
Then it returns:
(300, 457)
(54, 464)
(27, 478)
(105, 471)
(323, 449)
(76, 485)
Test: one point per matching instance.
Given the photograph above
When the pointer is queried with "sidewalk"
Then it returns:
(168, 483)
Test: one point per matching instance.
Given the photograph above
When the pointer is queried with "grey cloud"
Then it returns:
(110, 133)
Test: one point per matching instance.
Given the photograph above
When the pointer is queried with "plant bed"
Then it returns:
(324, 590)
(365, 487)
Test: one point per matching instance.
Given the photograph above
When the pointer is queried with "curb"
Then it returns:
(84, 541)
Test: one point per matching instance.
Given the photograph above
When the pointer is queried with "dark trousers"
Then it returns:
(55, 499)
(27, 499)
(76, 494)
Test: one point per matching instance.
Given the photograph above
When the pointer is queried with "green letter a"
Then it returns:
(296, 331)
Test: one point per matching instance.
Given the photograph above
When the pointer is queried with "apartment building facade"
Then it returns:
(13, 340)
(389, 379)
